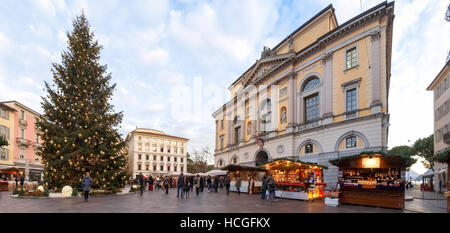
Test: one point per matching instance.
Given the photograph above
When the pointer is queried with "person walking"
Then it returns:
(221, 182)
(202, 184)
(264, 187)
(238, 184)
(187, 186)
(197, 184)
(17, 181)
(180, 184)
(86, 184)
(150, 183)
(227, 184)
(141, 183)
(271, 188)
(440, 185)
(166, 184)
(170, 181)
(22, 179)
(216, 183)
(208, 182)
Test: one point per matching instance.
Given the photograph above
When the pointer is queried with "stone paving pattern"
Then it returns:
(159, 202)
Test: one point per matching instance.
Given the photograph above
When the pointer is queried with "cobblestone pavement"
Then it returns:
(158, 202)
(417, 194)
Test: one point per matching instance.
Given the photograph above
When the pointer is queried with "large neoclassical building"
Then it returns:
(321, 93)
(152, 152)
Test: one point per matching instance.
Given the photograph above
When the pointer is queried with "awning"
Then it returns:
(217, 173)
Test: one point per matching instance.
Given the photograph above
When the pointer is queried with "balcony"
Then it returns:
(36, 145)
(23, 142)
(309, 125)
(23, 122)
(351, 114)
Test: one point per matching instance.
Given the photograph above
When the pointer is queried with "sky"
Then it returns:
(174, 60)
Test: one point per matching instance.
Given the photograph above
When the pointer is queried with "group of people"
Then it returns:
(268, 184)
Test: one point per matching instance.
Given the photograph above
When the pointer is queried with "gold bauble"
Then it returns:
(61, 157)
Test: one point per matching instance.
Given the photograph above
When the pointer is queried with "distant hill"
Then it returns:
(413, 175)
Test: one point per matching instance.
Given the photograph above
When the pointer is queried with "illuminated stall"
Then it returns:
(297, 179)
(251, 177)
(373, 179)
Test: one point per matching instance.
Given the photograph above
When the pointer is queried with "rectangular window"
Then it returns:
(168, 158)
(154, 167)
(147, 157)
(221, 126)
(22, 153)
(312, 108)
(168, 168)
(22, 115)
(162, 158)
(4, 132)
(4, 114)
(154, 157)
(139, 156)
(351, 100)
(221, 142)
(175, 159)
(351, 58)
(237, 134)
(162, 168)
(139, 167)
(168, 150)
(350, 142)
(4, 154)
(162, 149)
(147, 167)
(175, 168)
(181, 159)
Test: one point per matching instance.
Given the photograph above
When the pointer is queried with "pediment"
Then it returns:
(263, 66)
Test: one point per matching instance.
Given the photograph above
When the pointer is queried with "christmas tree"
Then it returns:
(79, 127)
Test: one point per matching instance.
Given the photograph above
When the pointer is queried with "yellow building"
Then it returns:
(152, 152)
(441, 103)
(7, 132)
(321, 93)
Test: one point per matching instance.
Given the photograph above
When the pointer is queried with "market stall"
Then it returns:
(7, 178)
(251, 177)
(296, 179)
(373, 179)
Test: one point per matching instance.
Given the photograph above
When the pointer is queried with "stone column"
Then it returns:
(375, 73)
(291, 102)
(327, 94)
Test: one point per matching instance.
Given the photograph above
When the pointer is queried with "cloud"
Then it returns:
(155, 57)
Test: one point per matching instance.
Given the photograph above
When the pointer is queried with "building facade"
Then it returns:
(17, 123)
(441, 107)
(321, 93)
(152, 152)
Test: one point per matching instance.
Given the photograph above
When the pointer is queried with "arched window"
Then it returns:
(283, 115)
(266, 114)
(311, 84)
(309, 148)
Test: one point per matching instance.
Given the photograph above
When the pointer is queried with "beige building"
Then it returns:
(441, 107)
(320, 94)
(152, 152)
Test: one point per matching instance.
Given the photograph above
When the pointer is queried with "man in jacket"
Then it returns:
(202, 184)
(271, 188)
(264, 187)
(86, 184)
(227, 184)
(141, 183)
(208, 182)
(216, 183)
(180, 184)
(238, 184)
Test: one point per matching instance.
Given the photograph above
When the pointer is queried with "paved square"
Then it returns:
(159, 202)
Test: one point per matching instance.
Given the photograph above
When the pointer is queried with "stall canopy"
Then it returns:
(234, 167)
(217, 172)
(291, 164)
(400, 160)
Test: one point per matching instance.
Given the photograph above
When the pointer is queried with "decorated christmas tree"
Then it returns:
(79, 127)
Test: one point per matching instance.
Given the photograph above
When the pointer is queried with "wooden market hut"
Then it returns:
(245, 172)
(373, 179)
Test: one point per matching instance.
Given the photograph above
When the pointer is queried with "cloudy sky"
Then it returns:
(169, 57)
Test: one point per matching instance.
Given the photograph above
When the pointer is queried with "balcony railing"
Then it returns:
(23, 142)
(309, 125)
(351, 114)
(23, 122)
(36, 145)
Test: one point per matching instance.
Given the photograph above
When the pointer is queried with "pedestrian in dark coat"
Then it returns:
(238, 184)
(86, 184)
(264, 187)
(209, 183)
(202, 184)
(216, 183)
(271, 187)
(22, 180)
(141, 183)
(187, 186)
(227, 184)
(180, 185)
(166, 184)
(197, 184)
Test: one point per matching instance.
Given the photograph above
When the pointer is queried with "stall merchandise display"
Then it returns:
(247, 174)
(297, 180)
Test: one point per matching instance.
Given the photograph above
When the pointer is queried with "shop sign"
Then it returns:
(371, 162)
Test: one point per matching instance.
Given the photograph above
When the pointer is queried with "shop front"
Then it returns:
(444, 157)
(251, 178)
(297, 179)
(373, 179)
